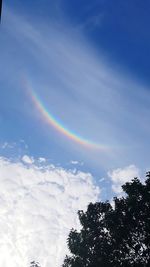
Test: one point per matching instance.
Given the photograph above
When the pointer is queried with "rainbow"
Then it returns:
(55, 123)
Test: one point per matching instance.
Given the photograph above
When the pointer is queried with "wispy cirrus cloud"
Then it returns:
(79, 86)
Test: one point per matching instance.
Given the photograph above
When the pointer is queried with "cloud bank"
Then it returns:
(38, 207)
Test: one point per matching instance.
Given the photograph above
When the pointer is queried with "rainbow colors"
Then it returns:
(53, 121)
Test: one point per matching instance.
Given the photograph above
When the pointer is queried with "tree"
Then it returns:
(0, 9)
(115, 237)
(34, 264)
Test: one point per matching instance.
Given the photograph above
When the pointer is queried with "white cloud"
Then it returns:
(122, 175)
(27, 159)
(74, 162)
(101, 179)
(38, 206)
(7, 145)
(41, 159)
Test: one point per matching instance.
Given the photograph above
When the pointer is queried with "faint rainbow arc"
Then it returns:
(53, 121)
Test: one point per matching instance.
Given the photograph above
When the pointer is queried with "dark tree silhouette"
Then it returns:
(115, 237)
(0, 9)
(34, 264)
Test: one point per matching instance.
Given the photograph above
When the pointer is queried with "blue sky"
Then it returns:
(88, 62)
(120, 28)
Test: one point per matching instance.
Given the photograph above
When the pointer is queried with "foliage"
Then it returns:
(34, 264)
(118, 236)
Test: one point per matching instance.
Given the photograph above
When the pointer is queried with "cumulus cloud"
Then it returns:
(74, 162)
(27, 159)
(38, 207)
(122, 175)
(41, 159)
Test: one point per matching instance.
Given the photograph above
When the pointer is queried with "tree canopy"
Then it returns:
(34, 264)
(114, 236)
